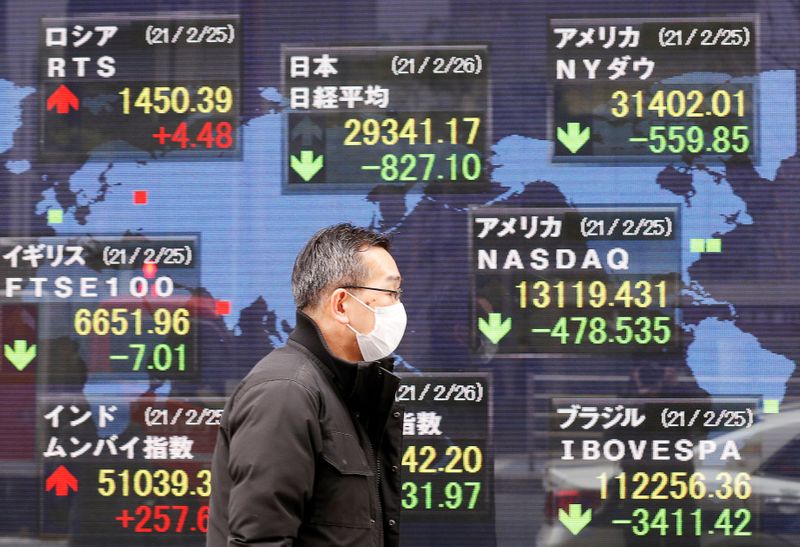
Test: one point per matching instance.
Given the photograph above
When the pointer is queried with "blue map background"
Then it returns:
(256, 233)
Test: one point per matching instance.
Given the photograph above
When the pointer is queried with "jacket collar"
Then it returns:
(367, 387)
(354, 379)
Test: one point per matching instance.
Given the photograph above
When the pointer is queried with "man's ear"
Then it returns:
(338, 309)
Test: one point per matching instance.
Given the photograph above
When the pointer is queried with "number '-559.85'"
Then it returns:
(680, 139)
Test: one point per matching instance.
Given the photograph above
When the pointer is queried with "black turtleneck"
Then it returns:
(307, 334)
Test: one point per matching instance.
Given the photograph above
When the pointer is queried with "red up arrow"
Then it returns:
(62, 99)
(62, 480)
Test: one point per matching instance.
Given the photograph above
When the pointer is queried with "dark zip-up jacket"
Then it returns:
(308, 452)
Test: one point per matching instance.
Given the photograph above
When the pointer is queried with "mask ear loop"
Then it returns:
(370, 308)
(363, 304)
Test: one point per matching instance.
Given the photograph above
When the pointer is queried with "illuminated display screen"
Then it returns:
(124, 84)
(447, 458)
(414, 114)
(593, 209)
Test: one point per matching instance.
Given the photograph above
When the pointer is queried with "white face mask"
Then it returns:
(390, 325)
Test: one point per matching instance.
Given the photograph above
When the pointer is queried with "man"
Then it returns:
(308, 452)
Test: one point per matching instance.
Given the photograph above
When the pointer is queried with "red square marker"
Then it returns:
(223, 307)
(149, 270)
(140, 197)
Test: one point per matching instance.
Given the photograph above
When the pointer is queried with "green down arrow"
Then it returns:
(575, 520)
(307, 165)
(573, 138)
(20, 355)
(495, 328)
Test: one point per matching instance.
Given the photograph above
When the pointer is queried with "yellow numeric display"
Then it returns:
(678, 103)
(425, 131)
(177, 100)
(122, 321)
(592, 294)
(424, 459)
(676, 485)
(160, 483)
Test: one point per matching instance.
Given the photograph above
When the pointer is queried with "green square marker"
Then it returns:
(713, 245)
(697, 245)
(55, 216)
(771, 406)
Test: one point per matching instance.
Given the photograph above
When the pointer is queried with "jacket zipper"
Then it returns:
(379, 516)
(378, 488)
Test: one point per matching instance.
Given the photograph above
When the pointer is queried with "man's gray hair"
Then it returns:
(332, 258)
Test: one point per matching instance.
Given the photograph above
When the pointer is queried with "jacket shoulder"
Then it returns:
(284, 376)
(283, 364)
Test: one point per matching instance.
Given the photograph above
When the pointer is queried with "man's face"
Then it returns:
(383, 274)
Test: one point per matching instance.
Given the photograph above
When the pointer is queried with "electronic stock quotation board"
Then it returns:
(592, 211)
